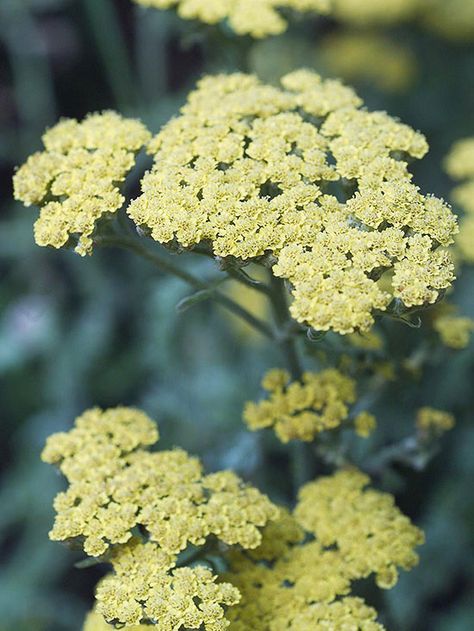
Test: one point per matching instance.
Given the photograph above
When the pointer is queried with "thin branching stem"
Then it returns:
(168, 267)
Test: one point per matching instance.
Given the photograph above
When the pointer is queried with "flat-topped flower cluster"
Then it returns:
(303, 409)
(263, 18)
(299, 178)
(118, 488)
(300, 577)
(302, 175)
(76, 179)
(139, 510)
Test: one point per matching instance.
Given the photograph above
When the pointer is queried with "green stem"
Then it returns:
(283, 321)
(410, 452)
(168, 267)
(236, 273)
(244, 279)
(302, 457)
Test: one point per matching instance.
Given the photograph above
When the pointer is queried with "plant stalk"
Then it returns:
(168, 267)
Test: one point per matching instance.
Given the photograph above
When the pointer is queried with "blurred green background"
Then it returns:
(104, 330)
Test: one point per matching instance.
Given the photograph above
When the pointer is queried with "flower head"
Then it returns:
(145, 587)
(76, 179)
(303, 409)
(117, 488)
(115, 485)
(460, 165)
(258, 18)
(434, 421)
(302, 176)
(300, 577)
(454, 330)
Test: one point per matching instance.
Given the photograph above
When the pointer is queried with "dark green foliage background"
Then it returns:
(104, 330)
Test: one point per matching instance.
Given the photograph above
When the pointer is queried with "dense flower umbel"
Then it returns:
(251, 169)
(258, 18)
(303, 409)
(116, 485)
(460, 166)
(300, 577)
(76, 179)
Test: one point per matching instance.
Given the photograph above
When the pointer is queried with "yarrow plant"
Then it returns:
(303, 197)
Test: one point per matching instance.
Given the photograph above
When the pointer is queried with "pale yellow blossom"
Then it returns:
(76, 180)
(303, 409)
(300, 578)
(249, 169)
(258, 18)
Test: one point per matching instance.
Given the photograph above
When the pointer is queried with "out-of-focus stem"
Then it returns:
(112, 49)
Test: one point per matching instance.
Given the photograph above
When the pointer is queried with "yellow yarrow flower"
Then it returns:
(365, 525)
(459, 164)
(145, 587)
(364, 424)
(247, 168)
(454, 331)
(258, 18)
(117, 488)
(301, 575)
(116, 485)
(432, 420)
(76, 180)
(302, 409)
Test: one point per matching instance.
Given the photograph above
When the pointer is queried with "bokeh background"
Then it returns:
(105, 331)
